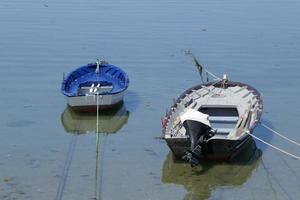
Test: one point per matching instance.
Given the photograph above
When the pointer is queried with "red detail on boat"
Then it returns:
(163, 122)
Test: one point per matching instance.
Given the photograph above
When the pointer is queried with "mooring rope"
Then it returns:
(274, 147)
(190, 53)
(97, 149)
(102, 165)
(64, 176)
(216, 77)
(280, 135)
(97, 166)
(99, 161)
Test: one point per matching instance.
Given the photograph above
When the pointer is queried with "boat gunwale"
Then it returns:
(93, 65)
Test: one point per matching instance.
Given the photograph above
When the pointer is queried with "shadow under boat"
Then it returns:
(110, 121)
(202, 180)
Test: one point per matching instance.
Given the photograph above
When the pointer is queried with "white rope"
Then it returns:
(66, 170)
(280, 135)
(97, 148)
(216, 77)
(278, 149)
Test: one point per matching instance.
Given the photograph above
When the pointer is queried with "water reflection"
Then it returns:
(80, 123)
(110, 121)
(201, 181)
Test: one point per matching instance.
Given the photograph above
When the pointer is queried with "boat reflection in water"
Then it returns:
(110, 121)
(107, 121)
(200, 182)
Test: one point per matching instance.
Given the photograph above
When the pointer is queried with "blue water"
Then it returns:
(256, 42)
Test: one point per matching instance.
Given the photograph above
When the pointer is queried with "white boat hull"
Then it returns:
(90, 101)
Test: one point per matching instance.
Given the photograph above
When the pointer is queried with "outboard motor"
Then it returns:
(199, 130)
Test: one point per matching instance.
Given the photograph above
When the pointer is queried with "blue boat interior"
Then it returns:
(109, 80)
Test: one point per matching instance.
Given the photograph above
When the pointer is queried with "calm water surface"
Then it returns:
(257, 42)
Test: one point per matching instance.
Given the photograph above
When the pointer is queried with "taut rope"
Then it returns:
(67, 165)
(274, 147)
(280, 135)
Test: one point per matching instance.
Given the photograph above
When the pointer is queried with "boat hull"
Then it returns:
(215, 149)
(89, 103)
(230, 137)
(106, 81)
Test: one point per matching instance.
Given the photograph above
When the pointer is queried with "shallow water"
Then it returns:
(257, 42)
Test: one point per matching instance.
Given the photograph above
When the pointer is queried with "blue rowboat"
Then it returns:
(96, 82)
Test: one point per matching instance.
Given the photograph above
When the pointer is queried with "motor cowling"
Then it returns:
(199, 130)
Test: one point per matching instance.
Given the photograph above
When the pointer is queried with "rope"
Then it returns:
(189, 52)
(67, 165)
(97, 149)
(280, 135)
(97, 166)
(102, 166)
(99, 176)
(274, 147)
(216, 77)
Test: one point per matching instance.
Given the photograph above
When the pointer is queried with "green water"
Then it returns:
(256, 42)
